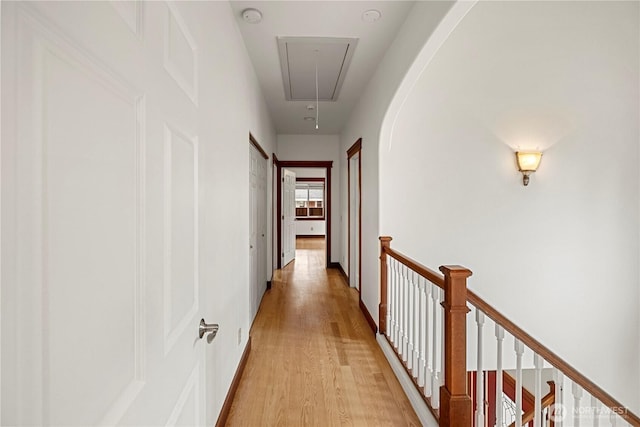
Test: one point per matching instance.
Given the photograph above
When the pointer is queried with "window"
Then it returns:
(309, 199)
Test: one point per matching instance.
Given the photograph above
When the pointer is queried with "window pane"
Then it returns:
(316, 194)
(301, 194)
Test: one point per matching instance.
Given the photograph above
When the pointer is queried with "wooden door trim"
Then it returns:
(310, 179)
(356, 148)
(321, 164)
(258, 147)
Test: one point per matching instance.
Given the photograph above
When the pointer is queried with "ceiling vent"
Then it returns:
(298, 58)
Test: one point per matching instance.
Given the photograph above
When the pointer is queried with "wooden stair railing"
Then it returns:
(451, 403)
(423, 316)
(508, 389)
(548, 400)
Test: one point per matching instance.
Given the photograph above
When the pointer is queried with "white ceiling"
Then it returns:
(317, 19)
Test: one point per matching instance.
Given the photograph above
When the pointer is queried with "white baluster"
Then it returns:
(577, 395)
(399, 284)
(417, 324)
(499, 408)
(410, 322)
(613, 417)
(441, 343)
(427, 339)
(399, 307)
(559, 409)
(480, 372)
(394, 313)
(398, 304)
(538, 363)
(519, 348)
(390, 298)
(421, 330)
(437, 339)
(405, 314)
(595, 407)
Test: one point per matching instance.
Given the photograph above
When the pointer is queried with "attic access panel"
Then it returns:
(298, 56)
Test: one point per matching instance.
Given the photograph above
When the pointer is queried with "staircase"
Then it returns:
(478, 380)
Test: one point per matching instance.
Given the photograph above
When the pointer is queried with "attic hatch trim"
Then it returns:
(283, 49)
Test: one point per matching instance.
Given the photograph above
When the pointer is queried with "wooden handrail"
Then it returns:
(548, 400)
(555, 360)
(528, 399)
(435, 278)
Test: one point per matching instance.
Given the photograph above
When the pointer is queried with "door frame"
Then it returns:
(328, 165)
(355, 149)
(255, 144)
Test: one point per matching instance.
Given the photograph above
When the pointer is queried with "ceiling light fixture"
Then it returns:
(311, 107)
(252, 16)
(371, 15)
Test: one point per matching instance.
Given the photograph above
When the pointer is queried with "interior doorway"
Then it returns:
(281, 165)
(354, 188)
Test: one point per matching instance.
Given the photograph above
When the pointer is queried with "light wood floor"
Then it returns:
(314, 360)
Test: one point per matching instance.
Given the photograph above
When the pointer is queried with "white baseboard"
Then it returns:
(422, 411)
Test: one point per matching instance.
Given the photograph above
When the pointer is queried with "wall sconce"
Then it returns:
(528, 162)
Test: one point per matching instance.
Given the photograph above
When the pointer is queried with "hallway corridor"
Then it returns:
(314, 360)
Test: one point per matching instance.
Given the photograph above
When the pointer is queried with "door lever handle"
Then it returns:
(208, 328)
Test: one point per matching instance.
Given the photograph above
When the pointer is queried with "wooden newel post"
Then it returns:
(455, 403)
(385, 242)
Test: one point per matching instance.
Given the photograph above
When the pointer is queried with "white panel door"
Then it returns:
(288, 216)
(100, 280)
(253, 230)
(257, 228)
(262, 228)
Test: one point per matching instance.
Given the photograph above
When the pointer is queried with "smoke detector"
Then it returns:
(371, 15)
(252, 16)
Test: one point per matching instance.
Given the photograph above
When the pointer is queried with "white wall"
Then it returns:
(559, 257)
(310, 228)
(232, 106)
(365, 123)
(309, 172)
(264, 132)
(319, 148)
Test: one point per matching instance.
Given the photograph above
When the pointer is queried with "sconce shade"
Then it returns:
(528, 161)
